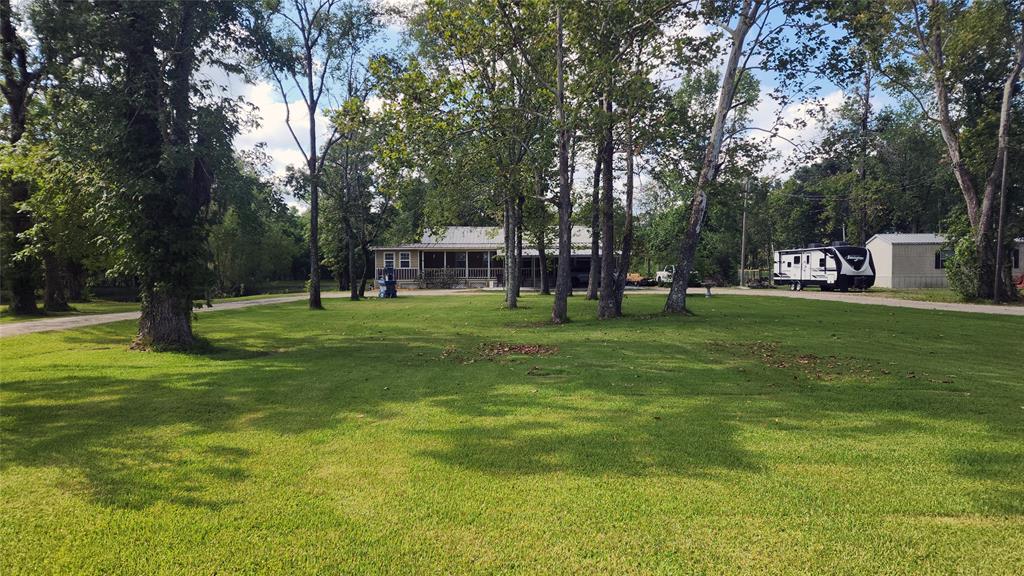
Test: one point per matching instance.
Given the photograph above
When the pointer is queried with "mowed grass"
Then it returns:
(99, 306)
(762, 435)
(77, 309)
(928, 295)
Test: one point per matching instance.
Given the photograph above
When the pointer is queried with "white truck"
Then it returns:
(664, 276)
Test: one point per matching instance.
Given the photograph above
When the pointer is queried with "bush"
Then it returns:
(962, 269)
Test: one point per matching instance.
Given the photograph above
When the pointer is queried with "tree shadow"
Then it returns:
(654, 403)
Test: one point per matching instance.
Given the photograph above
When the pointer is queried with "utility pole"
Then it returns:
(743, 231)
(999, 229)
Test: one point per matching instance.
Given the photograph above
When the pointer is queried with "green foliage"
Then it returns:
(962, 266)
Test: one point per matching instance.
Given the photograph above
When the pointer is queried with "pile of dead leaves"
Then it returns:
(492, 350)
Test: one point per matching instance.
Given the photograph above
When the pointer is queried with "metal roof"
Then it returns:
(478, 238)
(909, 238)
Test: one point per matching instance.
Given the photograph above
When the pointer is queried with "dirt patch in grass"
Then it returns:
(823, 368)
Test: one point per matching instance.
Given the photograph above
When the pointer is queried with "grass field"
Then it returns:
(927, 295)
(763, 435)
(99, 306)
(78, 309)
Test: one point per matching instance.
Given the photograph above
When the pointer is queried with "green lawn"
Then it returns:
(78, 309)
(111, 306)
(926, 295)
(763, 435)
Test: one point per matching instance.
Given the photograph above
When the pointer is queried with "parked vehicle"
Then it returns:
(664, 276)
(827, 267)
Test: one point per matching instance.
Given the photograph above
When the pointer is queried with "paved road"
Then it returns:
(68, 322)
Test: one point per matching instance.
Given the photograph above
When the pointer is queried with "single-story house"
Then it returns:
(918, 260)
(471, 257)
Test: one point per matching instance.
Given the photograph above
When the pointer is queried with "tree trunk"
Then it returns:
(21, 273)
(511, 266)
(980, 216)
(594, 278)
(54, 297)
(166, 321)
(355, 273)
(563, 282)
(160, 140)
(676, 301)
(627, 230)
(314, 193)
(367, 269)
(519, 245)
(75, 280)
(17, 80)
(606, 301)
(862, 168)
(542, 254)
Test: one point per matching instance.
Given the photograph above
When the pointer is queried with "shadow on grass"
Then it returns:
(649, 404)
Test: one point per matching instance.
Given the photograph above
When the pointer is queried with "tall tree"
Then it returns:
(158, 135)
(933, 46)
(787, 36)
(316, 41)
(563, 283)
(21, 72)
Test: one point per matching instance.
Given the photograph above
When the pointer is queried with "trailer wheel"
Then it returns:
(827, 287)
(799, 286)
(792, 287)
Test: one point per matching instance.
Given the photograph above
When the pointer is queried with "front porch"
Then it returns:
(467, 277)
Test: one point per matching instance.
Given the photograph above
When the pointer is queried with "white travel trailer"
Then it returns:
(827, 267)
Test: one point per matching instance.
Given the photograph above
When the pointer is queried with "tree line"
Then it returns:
(641, 119)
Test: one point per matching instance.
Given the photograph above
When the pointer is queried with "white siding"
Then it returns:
(881, 255)
(914, 266)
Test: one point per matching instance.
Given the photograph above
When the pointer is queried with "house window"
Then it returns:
(1016, 257)
(940, 258)
(389, 259)
(404, 260)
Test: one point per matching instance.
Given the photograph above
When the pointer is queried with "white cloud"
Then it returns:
(799, 126)
(273, 128)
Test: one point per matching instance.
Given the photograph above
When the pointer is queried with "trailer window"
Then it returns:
(821, 262)
(807, 259)
(796, 260)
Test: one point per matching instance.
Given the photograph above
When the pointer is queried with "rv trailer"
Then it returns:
(829, 268)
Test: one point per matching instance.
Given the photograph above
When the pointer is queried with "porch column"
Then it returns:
(444, 261)
(467, 267)
(488, 255)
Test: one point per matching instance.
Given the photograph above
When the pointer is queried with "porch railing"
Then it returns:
(401, 273)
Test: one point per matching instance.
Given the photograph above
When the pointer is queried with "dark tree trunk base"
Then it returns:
(165, 324)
